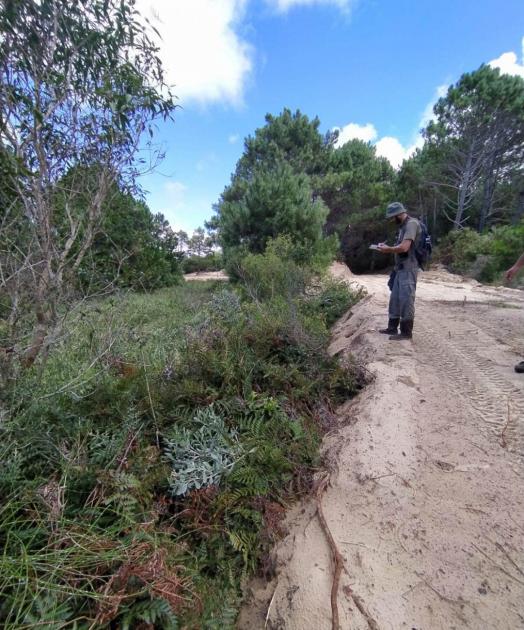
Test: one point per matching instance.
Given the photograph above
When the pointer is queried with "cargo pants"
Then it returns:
(402, 297)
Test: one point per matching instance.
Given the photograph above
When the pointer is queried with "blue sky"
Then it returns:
(372, 68)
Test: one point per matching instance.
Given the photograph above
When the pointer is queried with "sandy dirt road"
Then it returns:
(426, 494)
(202, 276)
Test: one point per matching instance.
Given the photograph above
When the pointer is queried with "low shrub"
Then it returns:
(282, 252)
(273, 273)
(202, 453)
(211, 262)
(484, 256)
(333, 299)
(507, 245)
(144, 467)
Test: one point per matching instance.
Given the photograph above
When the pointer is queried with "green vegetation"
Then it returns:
(468, 179)
(150, 441)
(469, 174)
(293, 181)
(209, 262)
(145, 468)
(133, 249)
(276, 202)
(476, 142)
(76, 96)
(483, 256)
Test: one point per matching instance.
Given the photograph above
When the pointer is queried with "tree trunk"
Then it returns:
(40, 332)
(434, 214)
(492, 163)
(519, 211)
(463, 190)
(487, 198)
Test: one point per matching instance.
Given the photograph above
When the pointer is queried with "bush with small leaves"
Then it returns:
(201, 452)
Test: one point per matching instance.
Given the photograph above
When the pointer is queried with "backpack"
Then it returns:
(424, 246)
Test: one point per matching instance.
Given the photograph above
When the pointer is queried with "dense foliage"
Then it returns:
(469, 173)
(145, 472)
(271, 191)
(76, 96)
(484, 256)
(277, 202)
(293, 181)
(133, 249)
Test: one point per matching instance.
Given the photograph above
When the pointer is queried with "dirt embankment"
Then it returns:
(425, 500)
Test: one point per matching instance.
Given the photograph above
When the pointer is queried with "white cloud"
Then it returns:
(427, 114)
(391, 148)
(388, 147)
(175, 193)
(204, 56)
(233, 138)
(507, 63)
(282, 6)
(352, 131)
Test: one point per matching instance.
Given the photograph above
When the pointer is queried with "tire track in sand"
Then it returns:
(458, 347)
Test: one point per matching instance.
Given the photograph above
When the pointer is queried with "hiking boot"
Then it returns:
(520, 367)
(392, 328)
(406, 331)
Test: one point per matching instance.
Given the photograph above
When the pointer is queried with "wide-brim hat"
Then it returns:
(394, 209)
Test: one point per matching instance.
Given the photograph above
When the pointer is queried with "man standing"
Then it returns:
(402, 299)
(510, 273)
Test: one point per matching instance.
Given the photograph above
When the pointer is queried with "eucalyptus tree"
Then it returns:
(81, 84)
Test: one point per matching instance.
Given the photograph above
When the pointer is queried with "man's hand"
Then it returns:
(397, 249)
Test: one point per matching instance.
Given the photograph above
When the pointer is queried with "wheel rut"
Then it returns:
(464, 354)
(426, 473)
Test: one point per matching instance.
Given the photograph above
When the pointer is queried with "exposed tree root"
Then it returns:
(338, 560)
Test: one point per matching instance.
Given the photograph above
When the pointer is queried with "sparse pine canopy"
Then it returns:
(477, 138)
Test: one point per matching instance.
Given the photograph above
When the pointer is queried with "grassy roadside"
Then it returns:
(485, 257)
(145, 469)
